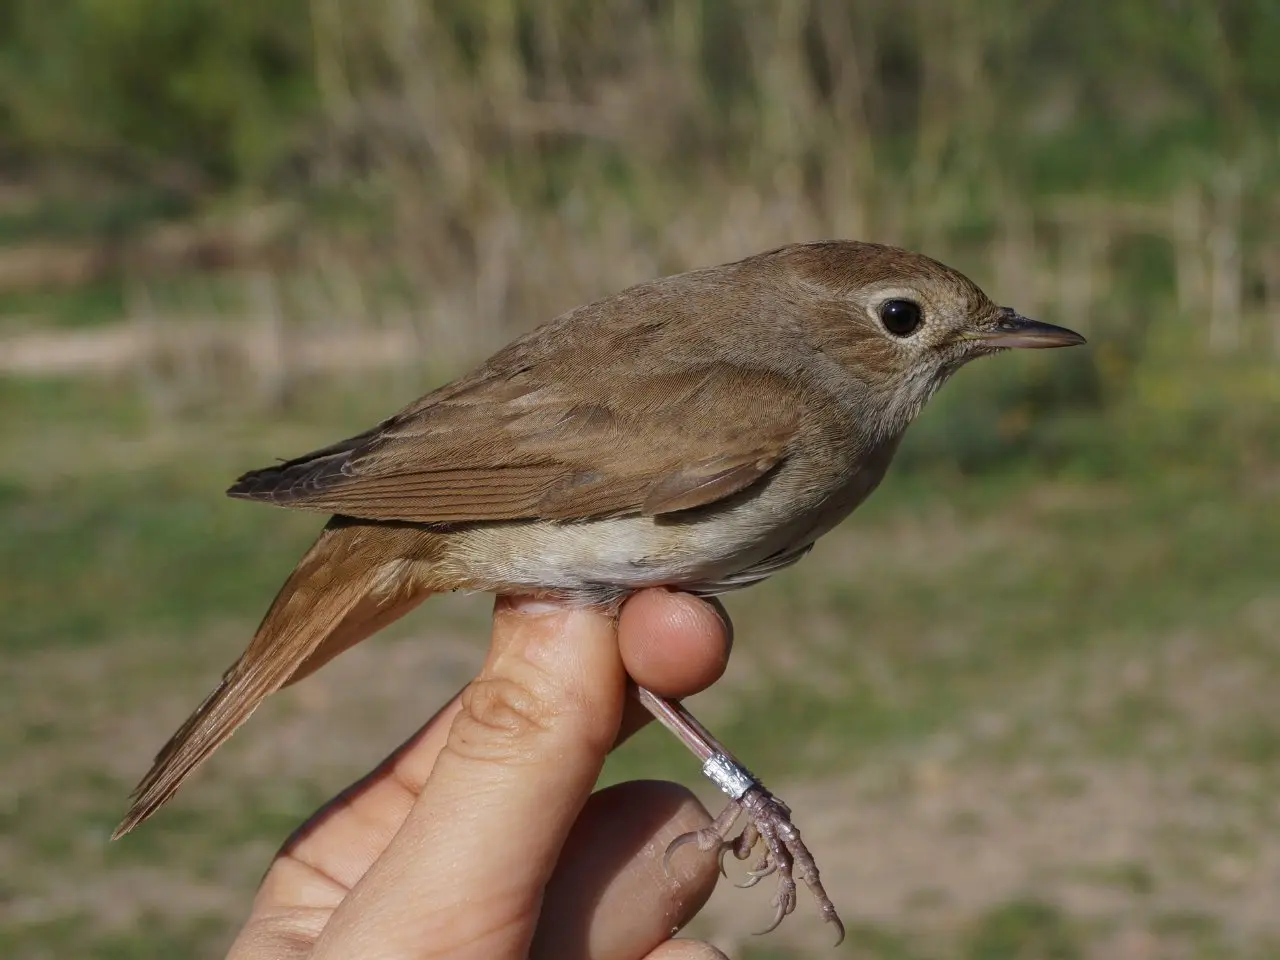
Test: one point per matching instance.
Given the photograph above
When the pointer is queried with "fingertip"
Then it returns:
(686, 950)
(673, 643)
(610, 896)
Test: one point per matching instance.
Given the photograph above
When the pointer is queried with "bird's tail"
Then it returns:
(354, 580)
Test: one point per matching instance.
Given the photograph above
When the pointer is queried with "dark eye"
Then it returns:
(902, 318)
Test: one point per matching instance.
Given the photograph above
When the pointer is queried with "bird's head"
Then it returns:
(902, 323)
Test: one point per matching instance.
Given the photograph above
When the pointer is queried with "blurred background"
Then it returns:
(1023, 703)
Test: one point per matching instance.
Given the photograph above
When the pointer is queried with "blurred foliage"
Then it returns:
(1136, 74)
(193, 89)
(221, 93)
(1112, 165)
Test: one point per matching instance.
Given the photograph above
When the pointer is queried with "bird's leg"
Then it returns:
(768, 818)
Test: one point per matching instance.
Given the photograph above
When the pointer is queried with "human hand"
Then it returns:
(480, 836)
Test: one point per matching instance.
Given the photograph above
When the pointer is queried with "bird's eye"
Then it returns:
(902, 318)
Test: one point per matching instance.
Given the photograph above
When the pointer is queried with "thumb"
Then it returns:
(465, 874)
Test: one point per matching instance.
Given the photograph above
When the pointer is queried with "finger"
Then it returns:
(333, 850)
(686, 950)
(329, 854)
(674, 644)
(610, 898)
(465, 874)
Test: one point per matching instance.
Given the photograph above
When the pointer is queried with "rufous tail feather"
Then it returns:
(352, 582)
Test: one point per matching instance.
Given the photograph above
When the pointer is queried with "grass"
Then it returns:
(1022, 646)
(82, 306)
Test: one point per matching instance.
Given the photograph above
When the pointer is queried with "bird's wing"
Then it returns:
(506, 446)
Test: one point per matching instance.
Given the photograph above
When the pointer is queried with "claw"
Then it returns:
(676, 844)
(766, 866)
(839, 929)
(724, 849)
(784, 854)
(756, 875)
(783, 909)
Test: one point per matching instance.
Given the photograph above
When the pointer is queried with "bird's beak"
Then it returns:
(1012, 329)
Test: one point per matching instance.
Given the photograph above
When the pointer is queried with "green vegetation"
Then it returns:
(1023, 702)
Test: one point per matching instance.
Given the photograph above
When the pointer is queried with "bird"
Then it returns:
(698, 432)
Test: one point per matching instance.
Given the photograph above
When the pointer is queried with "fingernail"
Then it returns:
(533, 606)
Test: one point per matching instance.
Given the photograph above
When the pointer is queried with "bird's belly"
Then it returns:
(708, 551)
(604, 556)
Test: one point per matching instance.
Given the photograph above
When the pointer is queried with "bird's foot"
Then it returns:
(784, 853)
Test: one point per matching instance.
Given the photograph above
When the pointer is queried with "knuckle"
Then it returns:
(501, 719)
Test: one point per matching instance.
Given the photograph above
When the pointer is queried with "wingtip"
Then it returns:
(256, 485)
(245, 484)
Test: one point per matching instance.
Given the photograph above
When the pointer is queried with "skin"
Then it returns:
(481, 837)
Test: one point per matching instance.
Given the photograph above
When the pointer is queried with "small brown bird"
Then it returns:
(700, 431)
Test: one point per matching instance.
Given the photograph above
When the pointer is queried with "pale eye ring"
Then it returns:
(901, 317)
